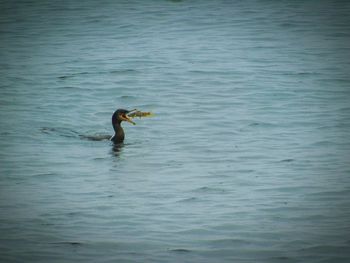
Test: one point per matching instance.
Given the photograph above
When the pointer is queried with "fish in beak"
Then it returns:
(125, 117)
(136, 113)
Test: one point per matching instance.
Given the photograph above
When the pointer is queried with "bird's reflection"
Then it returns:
(117, 149)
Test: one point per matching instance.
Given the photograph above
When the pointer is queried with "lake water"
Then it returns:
(245, 160)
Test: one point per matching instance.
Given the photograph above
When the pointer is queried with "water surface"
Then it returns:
(246, 160)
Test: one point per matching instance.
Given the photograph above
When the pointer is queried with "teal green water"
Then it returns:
(245, 160)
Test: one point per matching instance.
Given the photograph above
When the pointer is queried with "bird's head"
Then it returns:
(121, 115)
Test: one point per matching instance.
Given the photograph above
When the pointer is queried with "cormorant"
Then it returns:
(119, 116)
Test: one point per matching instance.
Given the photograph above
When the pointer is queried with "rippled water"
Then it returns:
(246, 160)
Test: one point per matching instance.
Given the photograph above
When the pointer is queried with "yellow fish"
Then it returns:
(141, 114)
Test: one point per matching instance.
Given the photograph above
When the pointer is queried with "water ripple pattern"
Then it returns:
(246, 159)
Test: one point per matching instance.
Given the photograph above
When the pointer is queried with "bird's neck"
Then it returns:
(119, 133)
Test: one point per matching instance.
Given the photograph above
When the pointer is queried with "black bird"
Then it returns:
(119, 116)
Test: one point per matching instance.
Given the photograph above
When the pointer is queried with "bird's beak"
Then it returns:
(124, 117)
